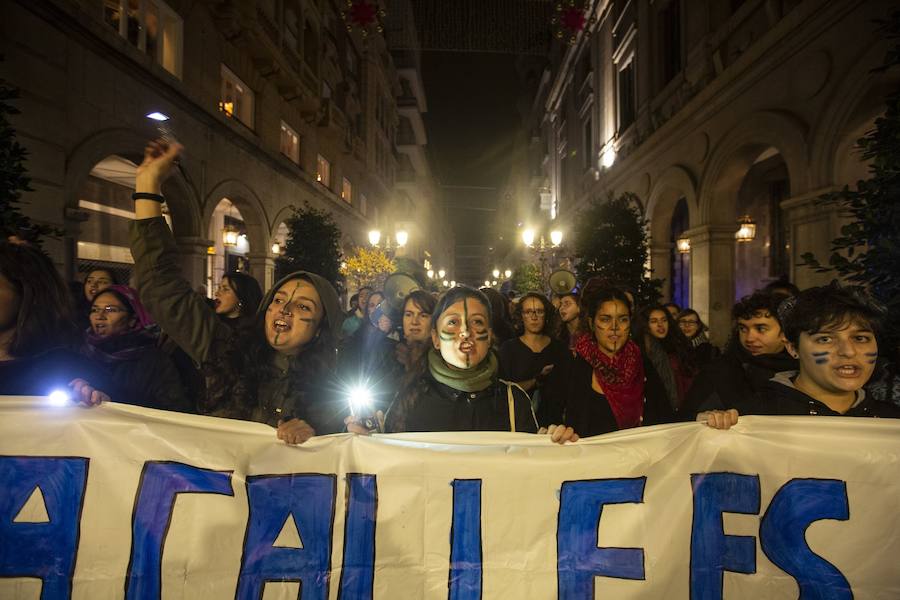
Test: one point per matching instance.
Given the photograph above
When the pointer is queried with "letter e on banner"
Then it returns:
(578, 557)
(309, 500)
(713, 552)
(782, 535)
(161, 482)
(44, 546)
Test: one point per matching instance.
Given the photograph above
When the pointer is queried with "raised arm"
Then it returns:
(182, 313)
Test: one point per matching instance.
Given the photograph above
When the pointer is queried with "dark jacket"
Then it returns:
(439, 407)
(589, 413)
(368, 358)
(519, 363)
(147, 377)
(734, 380)
(47, 372)
(779, 396)
(244, 378)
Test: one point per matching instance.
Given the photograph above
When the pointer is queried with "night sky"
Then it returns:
(471, 120)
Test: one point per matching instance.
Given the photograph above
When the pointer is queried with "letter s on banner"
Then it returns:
(309, 500)
(161, 482)
(782, 535)
(44, 549)
(579, 559)
(713, 552)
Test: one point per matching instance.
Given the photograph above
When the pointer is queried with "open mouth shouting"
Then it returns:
(281, 325)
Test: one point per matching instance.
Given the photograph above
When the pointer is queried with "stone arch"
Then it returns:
(858, 98)
(733, 156)
(181, 198)
(251, 209)
(674, 183)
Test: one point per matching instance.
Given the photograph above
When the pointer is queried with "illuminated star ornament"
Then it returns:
(569, 19)
(363, 15)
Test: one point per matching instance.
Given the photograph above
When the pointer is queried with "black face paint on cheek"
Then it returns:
(872, 356)
(481, 337)
(820, 357)
(446, 335)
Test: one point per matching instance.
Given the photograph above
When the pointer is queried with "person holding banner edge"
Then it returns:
(455, 385)
(832, 332)
(275, 371)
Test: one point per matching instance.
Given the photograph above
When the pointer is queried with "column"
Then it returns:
(262, 266)
(661, 264)
(192, 252)
(712, 277)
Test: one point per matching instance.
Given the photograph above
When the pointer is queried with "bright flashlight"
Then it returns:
(58, 398)
(360, 400)
(158, 116)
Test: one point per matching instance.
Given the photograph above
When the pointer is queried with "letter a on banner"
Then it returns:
(273, 499)
(713, 552)
(782, 535)
(41, 541)
(161, 482)
(579, 559)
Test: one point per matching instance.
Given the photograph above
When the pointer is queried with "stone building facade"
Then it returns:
(710, 111)
(276, 102)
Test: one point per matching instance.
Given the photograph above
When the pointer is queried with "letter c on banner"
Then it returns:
(782, 535)
(713, 552)
(579, 559)
(306, 498)
(45, 546)
(161, 482)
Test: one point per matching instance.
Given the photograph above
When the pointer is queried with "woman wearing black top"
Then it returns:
(535, 360)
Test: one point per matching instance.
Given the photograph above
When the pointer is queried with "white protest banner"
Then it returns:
(124, 502)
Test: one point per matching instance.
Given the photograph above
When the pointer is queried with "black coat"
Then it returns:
(734, 380)
(779, 397)
(368, 358)
(519, 363)
(52, 370)
(438, 407)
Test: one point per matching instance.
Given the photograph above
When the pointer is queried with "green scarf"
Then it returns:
(475, 379)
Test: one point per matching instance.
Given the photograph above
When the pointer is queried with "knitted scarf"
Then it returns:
(475, 379)
(621, 376)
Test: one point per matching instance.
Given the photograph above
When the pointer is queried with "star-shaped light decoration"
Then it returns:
(570, 19)
(363, 15)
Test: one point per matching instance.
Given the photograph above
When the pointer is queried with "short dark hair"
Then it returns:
(751, 306)
(45, 320)
(551, 315)
(422, 299)
(782, 286)
(816, 308)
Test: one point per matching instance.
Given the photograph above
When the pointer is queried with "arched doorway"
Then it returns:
(231, 246)
(680, 257)
(105, 199)
(765, 257)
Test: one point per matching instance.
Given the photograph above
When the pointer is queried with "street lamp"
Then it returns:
(541, 246)
(374, 237)
(402, 237)
(441, 274)
(452, 283)
(230, 236)
(487, 283)
(430, 274)
(556, 237)
(528, 237)
(446, 283)
(747, 232)
(507, 273)
(495, 273)
(683, 244)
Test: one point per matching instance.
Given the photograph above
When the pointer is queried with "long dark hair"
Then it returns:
(593, 298)
(551, 315)
(675, 341)
(45, 315)
(247, 289)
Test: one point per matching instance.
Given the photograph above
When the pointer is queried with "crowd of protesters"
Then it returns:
(580, 364)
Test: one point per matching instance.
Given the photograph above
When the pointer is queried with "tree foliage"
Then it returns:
(868, 250)
(368, 267)
(527, 278)
(13, 175)
(313, 244)
(611, 241)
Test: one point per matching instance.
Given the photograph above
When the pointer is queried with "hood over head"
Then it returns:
(331, 304)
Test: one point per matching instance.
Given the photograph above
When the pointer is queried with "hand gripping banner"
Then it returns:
(124, 502)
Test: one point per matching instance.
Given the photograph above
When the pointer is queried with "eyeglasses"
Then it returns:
(531, 312)
(108, 310)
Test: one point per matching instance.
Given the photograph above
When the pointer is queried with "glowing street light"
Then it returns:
(507, 273)
(556, 237)
(487, 283)
(442, 273)
(374, 237)
(496, 273)
(430, 273)
(528, 237)
(446, 283)
(402, 237)
(452, 283)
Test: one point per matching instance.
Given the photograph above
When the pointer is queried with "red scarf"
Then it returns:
(621, 376)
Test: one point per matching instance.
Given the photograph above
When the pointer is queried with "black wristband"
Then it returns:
(148, 196)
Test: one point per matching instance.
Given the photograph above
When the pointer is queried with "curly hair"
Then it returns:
(551, 315)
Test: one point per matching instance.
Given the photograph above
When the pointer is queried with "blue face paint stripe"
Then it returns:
(821, 361)
(826, 353)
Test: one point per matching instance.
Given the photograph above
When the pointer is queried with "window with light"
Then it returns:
(151, 26)
(290, 143)
(236, 98)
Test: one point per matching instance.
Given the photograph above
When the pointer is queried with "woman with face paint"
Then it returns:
(455, 386)
(274, 371)
(832, 331)
(606, 381)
